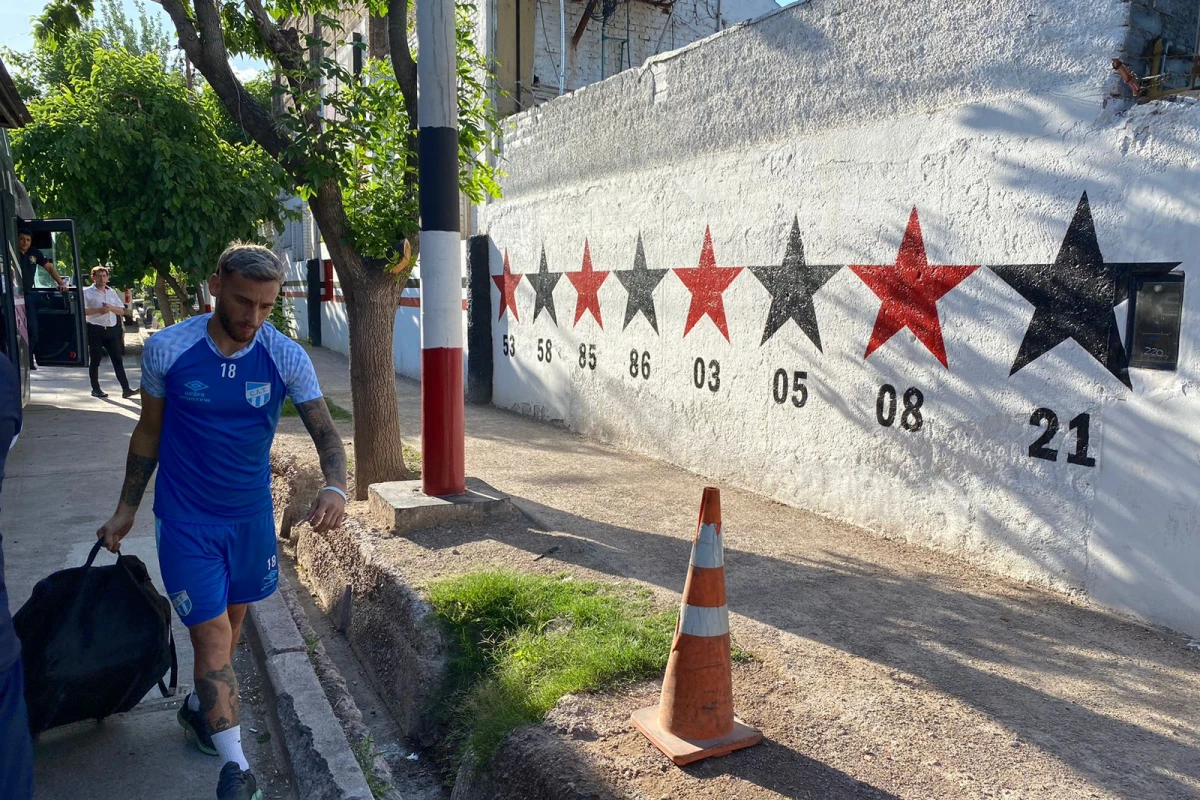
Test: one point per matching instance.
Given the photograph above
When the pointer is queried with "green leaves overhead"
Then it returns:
(140, 163)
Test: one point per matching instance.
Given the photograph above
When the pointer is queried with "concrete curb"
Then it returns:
(323, 767)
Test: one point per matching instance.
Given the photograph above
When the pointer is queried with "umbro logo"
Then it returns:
(195, 386)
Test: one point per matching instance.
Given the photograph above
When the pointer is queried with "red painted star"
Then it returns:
(908, 292)
(587, 285)
(707, 283)
(507, 284)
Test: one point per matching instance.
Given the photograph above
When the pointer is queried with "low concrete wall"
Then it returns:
(391, 631)
(335, 327)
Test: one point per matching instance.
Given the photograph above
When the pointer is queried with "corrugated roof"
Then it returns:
(13, 113)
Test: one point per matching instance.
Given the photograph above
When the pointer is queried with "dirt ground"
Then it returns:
(881, 671)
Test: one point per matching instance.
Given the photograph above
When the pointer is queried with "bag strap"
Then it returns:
(168, 690)
(95, 549)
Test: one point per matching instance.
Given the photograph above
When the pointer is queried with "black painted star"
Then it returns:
(544, 282)
(1074, 298)
(640, 283)
(792, 285)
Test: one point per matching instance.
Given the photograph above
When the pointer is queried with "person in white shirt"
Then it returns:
(104, 309)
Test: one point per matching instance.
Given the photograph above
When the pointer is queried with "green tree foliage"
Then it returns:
(55, 58)
(348, 144)
(123, 147)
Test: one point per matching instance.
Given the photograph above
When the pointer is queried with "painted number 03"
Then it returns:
(1082, 427)
(799, 392)
(885, 408)
(710, 376)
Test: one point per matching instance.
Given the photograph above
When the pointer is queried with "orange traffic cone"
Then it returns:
(694, 718)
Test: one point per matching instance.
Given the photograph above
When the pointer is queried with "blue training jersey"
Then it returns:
(219, 418)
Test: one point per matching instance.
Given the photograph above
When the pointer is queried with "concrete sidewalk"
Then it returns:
(63, 480)
(901, 667)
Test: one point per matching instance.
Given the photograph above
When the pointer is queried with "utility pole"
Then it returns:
(442, 469)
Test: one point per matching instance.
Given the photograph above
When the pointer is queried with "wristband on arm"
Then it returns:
(339, 491)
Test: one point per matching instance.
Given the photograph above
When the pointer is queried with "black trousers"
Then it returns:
(103, 340)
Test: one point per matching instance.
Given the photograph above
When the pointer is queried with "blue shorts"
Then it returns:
(16, 748)
(207, 567)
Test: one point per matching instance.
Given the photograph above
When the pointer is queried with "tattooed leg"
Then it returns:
(216, 685)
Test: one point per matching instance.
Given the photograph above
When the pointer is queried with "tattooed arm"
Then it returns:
(139, 466)
(330, 507)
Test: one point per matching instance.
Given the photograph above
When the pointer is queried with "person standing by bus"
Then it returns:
(32, 258)
(104, 309)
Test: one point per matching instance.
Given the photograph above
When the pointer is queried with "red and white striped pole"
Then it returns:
(442, 468)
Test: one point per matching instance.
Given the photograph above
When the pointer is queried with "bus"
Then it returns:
(61, 333)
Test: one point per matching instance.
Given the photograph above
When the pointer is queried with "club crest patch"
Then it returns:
(182, 603)
(258, 394)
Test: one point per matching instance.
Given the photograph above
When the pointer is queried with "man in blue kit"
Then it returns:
(212, 391)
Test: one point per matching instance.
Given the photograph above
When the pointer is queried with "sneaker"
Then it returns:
(236, 784)
(98, 393)
(128, 393)
(195, 729)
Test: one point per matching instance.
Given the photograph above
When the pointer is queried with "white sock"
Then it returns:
(229, 746)
(193, 701)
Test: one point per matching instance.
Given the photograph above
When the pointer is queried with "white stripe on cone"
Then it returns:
(701, 621)
(707, 550)
(441, 289)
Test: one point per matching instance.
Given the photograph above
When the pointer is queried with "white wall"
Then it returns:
(992, 119)
(406, 333)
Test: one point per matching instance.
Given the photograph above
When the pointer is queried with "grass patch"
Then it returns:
(364, 754)
(521, 642)
(412, 460)
(335, 411)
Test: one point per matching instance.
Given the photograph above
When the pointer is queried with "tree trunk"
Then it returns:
(378, 452)
(164, 302)
(372, 296)
(186, 298)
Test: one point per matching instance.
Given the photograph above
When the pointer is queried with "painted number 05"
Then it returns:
(885, 408)
(1082, 427)
(779, 387)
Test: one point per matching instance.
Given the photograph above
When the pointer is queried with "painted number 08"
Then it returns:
(885, 408)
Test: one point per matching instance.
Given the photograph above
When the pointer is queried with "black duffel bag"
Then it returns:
(94, 640)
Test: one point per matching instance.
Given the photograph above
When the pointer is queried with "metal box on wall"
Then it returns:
(1155, 320)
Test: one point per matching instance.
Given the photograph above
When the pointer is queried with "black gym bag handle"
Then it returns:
(168, 689)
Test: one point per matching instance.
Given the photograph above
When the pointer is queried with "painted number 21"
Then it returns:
(1082, 427)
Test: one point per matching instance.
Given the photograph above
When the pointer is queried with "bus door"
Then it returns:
(61, 339)
(15, 342)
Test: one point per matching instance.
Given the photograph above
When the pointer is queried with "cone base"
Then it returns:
(685, 751)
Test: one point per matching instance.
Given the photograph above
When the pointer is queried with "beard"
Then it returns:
(231, 330)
